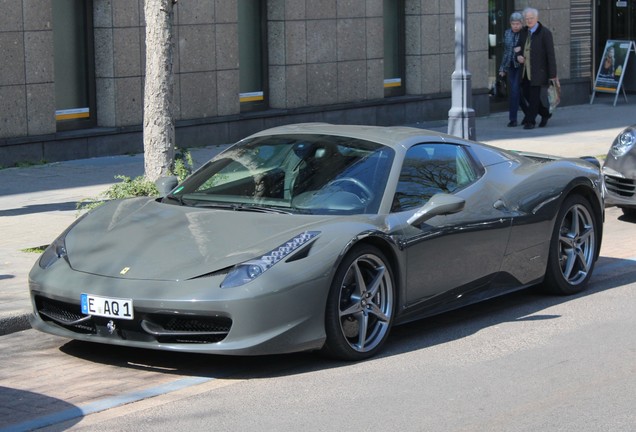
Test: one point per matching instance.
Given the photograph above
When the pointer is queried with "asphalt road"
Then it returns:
(524, 362)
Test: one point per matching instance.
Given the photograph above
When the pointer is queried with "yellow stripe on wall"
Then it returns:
(70, 114)
(251, 97)
(393, 82)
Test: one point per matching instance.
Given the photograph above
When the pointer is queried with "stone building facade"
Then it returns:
(318, 60)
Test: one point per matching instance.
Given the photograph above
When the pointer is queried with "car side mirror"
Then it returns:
(439, 204)
(166, 184)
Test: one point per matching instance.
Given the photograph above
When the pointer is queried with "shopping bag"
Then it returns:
(554, 94)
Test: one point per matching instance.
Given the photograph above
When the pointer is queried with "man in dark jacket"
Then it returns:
(535, 51)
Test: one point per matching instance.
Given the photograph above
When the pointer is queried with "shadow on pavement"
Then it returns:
(40, 208)
(625, 218)
(24, 410)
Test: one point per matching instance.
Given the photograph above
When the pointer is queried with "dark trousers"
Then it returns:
(535, 106)
(515, 101)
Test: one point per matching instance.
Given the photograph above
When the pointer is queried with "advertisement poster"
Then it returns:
(612, 67)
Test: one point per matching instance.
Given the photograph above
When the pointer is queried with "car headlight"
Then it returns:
(624, 142)
(53, 252)
(250, 270)
(57, 249)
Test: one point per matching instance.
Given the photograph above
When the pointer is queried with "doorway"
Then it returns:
(498, 21)
(615, 20)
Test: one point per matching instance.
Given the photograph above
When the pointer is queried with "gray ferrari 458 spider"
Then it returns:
(619, 171)
(320, 237)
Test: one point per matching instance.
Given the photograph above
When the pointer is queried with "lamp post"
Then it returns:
(461, 117)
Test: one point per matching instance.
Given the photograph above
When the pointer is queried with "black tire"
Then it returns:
(360, 306)
(573, 247)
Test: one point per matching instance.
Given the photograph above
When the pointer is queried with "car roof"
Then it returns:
(399, 138)
(394, 136)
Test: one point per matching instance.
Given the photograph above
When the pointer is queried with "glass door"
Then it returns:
(498, 21)
(616, 20)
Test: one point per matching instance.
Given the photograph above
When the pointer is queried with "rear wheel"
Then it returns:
(573, 248)
(360, 306)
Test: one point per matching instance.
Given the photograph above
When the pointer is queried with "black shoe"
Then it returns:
(512, 124)
(529, 126)
(544, 120)
(524, 121)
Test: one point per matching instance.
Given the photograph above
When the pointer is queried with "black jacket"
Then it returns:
(542, 58)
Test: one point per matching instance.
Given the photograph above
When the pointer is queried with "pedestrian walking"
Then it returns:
(535, 50)
(511, 68)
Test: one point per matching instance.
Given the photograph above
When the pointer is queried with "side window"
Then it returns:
(429, 169)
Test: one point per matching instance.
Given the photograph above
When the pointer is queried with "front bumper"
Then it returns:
(619, 180)
(277, 313)
(619, 190)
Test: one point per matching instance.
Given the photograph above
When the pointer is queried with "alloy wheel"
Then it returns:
(365, 303)
(577, 244)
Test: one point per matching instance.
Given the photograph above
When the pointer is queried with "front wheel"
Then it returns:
(573, 248)
(360, 305)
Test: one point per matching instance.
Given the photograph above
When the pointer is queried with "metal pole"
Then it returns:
(461, 117)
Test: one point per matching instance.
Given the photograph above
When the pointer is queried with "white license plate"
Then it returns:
(107, 306)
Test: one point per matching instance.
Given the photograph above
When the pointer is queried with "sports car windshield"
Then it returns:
(309, 174)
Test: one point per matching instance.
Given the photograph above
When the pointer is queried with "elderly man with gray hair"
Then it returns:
(511, 68)
(535, 52)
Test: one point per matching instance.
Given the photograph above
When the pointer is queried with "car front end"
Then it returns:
(619, 172)
(189, 316)
(203, 287)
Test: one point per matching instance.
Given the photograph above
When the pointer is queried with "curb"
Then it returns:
(14, 323)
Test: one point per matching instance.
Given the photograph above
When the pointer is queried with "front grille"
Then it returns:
(198, 325)
(189, 329)
(146, 327)
(620, 186)
(190, 339)
(65, 314)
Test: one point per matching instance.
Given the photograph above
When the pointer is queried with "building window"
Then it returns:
(252, 58)
(74, 64)
(394, 48)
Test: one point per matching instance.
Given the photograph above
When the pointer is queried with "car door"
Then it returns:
(456, 253)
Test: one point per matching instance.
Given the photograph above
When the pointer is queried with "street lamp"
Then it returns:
(461, 117)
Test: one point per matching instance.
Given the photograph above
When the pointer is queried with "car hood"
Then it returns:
(145, 239)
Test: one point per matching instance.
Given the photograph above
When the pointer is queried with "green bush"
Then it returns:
(138, 186)
(130, 188)
(182, 164)
(127, 188)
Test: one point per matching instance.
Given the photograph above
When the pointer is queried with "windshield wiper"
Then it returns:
(259, 208)
(177, 198)
(243, 207)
